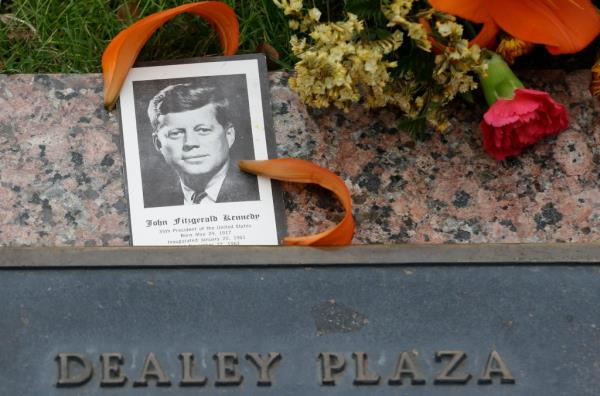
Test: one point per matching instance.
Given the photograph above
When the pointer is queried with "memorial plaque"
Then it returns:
(477, 320)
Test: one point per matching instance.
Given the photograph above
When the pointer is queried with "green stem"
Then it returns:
(498, 81)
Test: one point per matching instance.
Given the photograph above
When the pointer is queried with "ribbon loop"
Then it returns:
(300, 171)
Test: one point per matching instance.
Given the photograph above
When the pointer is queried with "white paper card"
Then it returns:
(185, 126)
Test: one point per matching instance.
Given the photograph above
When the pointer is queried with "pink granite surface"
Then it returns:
(61, 175)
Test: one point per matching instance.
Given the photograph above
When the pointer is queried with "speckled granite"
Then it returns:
(61, 179)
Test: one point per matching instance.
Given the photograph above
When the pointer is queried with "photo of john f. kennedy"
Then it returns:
(191, 133)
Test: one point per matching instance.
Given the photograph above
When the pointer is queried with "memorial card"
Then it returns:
(185, 126)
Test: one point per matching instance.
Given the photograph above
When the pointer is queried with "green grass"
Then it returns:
(69, 36)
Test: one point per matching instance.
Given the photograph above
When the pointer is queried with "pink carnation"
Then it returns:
(510, 125)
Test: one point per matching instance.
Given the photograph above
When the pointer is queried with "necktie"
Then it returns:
(197, 197)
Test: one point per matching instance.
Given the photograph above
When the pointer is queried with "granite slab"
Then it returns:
(61, 170)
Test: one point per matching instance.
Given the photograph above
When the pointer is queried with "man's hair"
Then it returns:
(183, 97)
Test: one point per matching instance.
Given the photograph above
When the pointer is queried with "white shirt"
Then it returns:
(212, 189)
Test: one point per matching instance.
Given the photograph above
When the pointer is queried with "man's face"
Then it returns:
(193, 142)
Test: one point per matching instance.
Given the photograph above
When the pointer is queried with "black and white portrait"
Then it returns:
(192, 132)
(186, 124)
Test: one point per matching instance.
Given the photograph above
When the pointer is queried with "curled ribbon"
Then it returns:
(122, 51)
(300, 171)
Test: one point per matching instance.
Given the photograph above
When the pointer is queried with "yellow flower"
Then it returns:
(314, 14)
(417, 32)
(289, 7)
(338, 66)
(449, 28)
(396, 11)
(510, 48)
(390, 43)
(438, 120)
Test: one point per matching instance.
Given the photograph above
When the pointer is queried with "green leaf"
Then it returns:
(419, 62)
(468, 97)
(416, 127)
(368, 10)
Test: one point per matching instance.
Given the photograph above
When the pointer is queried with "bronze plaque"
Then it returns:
(118, 322)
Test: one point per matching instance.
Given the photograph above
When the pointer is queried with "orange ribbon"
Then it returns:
(300, 171)
(122, 51)
(564, 26)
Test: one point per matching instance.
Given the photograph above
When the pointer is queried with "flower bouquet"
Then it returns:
(419, 56)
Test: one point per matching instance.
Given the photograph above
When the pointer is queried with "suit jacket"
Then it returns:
(236, 187)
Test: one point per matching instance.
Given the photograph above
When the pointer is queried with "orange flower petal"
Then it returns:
(595, 83)
(473, 10)
(300, 171)
(122, 51)
(564, 26)
(486, 38)
(436, 46)
(510, 48)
